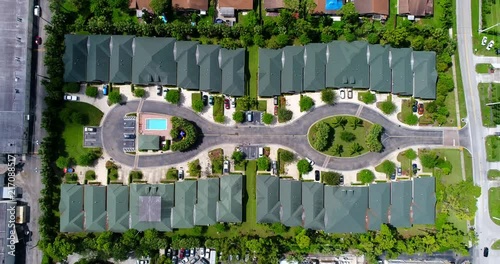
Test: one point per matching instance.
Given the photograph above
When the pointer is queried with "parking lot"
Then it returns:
(194, 255)
(129, 123)
(92, 137)
(251, 152)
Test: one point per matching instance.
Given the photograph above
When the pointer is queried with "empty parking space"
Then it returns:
(129, 130)
(251, 152)
(92, 137)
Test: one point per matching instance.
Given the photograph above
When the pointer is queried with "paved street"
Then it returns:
(293, 135)
(487, 230)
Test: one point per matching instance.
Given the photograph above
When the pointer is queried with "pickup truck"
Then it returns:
(68, 97)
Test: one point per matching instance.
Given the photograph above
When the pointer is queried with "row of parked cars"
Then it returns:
(198, 255)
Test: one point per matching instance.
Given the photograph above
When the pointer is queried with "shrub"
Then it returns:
(365, 176)
(178, 125)
(88, 159)
(90, 175)
(79, 118)
(91, 91)
(372, 139)
(71, 177)
(71, 87)
(279, 228)
(445, 166)
(267, 118)
(305, 103)
(286, 156)
(304, 166)
(238, 157)
(197, 105)
(388, 107)
(429, 159)
(284, 115)
(114, 97)
(328, 96)
(347, 136)
(194, 168)
(330, 177)
(139, 92)
(172, 174)
(173, 96)
(410, 154)
(167, 145)
(367, 97)
(388, 167)
(135, 175)
(321, 139)
(63, 162)
(411, 119)
(263, 163)
(239, 116)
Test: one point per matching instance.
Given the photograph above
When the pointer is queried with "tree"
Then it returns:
(321, 137)
(330, 177)
(173, 96)
(418, 43)
(159, 6)
(338, 149)
(284, 115)
(267, 118)
(197, 105)
(88, 158)
(373, 38)
(279, 228)
(328, 96)
(355, 122)
(114, 97)
(303, 241)
(349, 14)
(63, 162)
(388, 107)
(90, 175)
(303, 8)
(339, 121)
(79, 118)
(286, 156)
(429, 159)
(238, 157)
(139, 92)
(304, 166)
(191, 134)
(306, 103)
(194, 168)
(135, 175)
(410, 154)
(239, 116)
(263, 163)
(347, 136)
(91, 91)
(355, 148)
(366, 176)
(388, 167)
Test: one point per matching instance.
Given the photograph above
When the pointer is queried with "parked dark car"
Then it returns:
(175, 253)
(211, 100)
(187, 253)
(349, 93)
(316, 175)
(400, 171)
(158, 90)
(275, 99)
(129, 136)
(175, 259)
(38, 40)
(415, 168)
(415, 108)
(275, 110)
(226, 103)
(485, 252)
(393, 176)
(205, 100)
(341, 180)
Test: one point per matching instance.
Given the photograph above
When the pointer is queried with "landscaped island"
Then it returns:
(345, 136)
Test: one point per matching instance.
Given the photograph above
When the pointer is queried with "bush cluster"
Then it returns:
(178, 125)
(373, 140)
(321, 138)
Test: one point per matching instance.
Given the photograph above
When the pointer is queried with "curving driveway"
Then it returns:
(293, 135)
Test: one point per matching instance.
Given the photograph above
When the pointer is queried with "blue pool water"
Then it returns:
(333, 5)
(156, 124)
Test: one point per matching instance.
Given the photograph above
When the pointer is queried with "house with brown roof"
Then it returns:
(140, 4)
(273, 5)
(372, 7)
(418, 8)
(190, 5)
(236, 4)
(330, 7)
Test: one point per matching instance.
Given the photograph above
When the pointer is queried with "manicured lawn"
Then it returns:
(406, 110)
(461, 92)
(253, 67)
(405, 164)
(496, 245)
(195, 97)
(359, 132)
(494, 17)
(239, 106)
(492, 148)
(477, 37)
(450, 104)
(483, 68)
(485, 110)
(494, 205)
(73, 133)
(493, 174)
(218, 108)
(262, 106)
(453, 155)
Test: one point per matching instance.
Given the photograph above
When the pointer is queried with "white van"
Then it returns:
(261, 152)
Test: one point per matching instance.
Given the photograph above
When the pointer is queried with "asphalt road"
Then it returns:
(488, 231)
(293, 135)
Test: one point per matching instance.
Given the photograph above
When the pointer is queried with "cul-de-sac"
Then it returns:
(250, 131)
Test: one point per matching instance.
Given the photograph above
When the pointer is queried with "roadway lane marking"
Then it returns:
(360, 108)
(325, 163)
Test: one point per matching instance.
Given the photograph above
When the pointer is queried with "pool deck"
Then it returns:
(162, 133)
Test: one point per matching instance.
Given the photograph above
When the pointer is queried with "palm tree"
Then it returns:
(338, 149)
(355, 123)
(339, 121)
(355, 148)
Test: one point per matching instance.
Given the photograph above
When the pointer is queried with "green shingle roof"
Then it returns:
(205, 211)
(402, 75)
(185, 198)
(188, 73)
(71, 208)
(120, 69)
(348, 64)
(75, 58)
(210, 71)
(424, 200)
(346, 209)
(313, 203)
(233, 70)
(269, 72)
(149, 142)
(117, 206)
(268, 199)
(98, 59)
(95, 208)
(380, 70)
(315, 67)
(425, 74)
(293, 70)
(401, 196)
(291, 202)
(229, 208)
(378, 205)
(154, 62)
(141, 196)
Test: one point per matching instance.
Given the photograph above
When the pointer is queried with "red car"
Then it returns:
(420, 109)
(226, 103)
(275, 110)
(38, 40)
(181, 253)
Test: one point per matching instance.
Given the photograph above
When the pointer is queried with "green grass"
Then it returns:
(483, 67)
(195, 97)
(406, 110)
(73, 133)
(218, 109)
(450, 104)
(492, 148)
(493, 174)
(496, 245)
(453, 155)
(262, 106)
(360, 134)
(461, 91)
(253, 66)
(477, 37)
(494, 17)
(493, 204)
(405, 164)
(485, 110)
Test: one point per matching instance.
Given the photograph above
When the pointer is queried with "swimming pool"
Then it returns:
(156, 124)
(333, 5)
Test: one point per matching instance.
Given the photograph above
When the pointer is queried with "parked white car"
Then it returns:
(37, 11)
(490, 45)
(68, 97)
(484, 41)
(310, 161)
